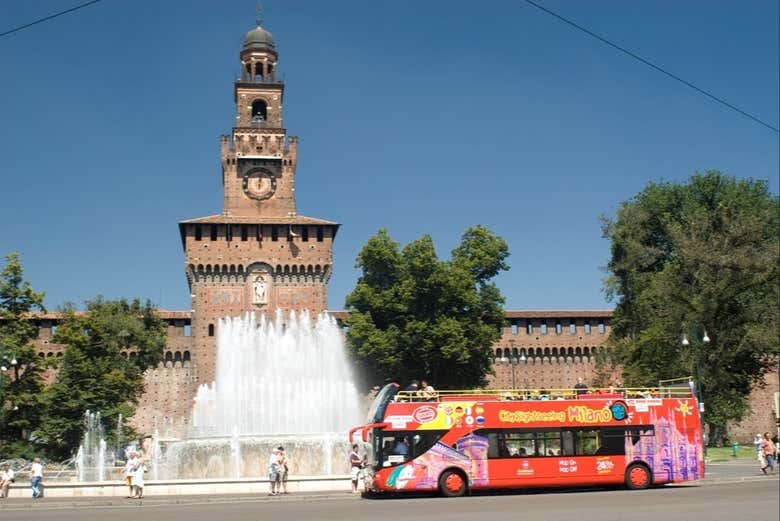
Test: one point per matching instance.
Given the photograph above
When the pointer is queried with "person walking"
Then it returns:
(36, 476)
(768, 449)
(757, 442)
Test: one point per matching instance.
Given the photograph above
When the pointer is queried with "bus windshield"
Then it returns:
(395, 447)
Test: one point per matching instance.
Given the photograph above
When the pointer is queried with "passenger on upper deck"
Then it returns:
(580, 388)
(427, 391)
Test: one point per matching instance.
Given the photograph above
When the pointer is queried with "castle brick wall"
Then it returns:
(555, 356)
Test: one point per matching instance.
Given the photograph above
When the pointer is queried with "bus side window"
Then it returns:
(567, 443)
(613, 442)
(587, 443)
(549, 443)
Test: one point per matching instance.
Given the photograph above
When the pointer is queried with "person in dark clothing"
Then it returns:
(412, 390)
(580, 388)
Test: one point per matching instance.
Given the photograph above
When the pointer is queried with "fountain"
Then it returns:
(91, 456)
(285, 382)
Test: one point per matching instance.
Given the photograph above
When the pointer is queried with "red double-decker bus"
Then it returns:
(459, 441)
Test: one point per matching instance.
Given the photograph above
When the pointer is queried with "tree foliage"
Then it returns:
(21, 383)
(691, 257)
(414, 316)
(93, 375)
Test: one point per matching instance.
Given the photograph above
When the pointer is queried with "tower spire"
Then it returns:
(259, 14)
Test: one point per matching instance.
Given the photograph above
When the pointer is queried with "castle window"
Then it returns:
(558, 328)
(602, 327)
(274, 233)
(305, 233)
(228, 232)
(198, 232)
(187, 330)
(587, 327)
(211, 329)
(186, 357)
(513, 325)
(529, 327)
(319, 233)
(244, 232)
(573, 327)
(543, 328)
(213, 229)
(259, 111)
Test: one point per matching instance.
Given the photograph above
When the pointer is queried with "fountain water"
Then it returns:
(91, 456)
(285, 382)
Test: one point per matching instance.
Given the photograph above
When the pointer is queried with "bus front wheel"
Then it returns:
(637, 477)
(452, 483)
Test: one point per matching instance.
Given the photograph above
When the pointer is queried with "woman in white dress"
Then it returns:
(138, 477)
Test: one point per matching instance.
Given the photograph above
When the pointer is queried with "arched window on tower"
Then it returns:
(259, 111)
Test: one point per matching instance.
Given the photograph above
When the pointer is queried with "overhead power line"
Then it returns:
(654, 66)
(55, 15)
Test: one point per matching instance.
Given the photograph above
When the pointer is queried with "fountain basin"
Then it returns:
(247, 456)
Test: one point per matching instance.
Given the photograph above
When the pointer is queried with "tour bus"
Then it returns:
(455, 442)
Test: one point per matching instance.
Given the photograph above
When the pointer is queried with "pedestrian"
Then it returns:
(768, 448)
(7, 477)
(36, 476)
(129, 470)
(580, 388)
(274, 475)
(757, 442)
(284, 469)
(138, 476)
(356, 464)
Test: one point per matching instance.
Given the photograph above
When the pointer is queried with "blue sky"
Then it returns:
(419, 117)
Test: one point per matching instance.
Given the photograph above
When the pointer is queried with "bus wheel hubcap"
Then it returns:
(638, 476)
(453, 483)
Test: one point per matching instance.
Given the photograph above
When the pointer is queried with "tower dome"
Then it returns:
(258, 39)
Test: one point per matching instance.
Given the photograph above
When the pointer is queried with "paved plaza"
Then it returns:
(731, 491)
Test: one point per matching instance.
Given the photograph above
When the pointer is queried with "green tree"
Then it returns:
(414, 316)
(693, 257)
(93, 374)
(21, 383)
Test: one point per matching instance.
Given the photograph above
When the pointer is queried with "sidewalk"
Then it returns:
(715, 474)
(96, 501)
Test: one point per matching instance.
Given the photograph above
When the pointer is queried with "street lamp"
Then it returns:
(699, 393)
(3, 370)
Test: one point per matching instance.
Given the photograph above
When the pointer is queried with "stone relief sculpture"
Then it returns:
(259, 294)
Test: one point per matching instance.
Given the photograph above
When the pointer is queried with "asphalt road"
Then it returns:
(754, 500)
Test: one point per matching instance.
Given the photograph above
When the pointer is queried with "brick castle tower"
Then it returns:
(258, 255)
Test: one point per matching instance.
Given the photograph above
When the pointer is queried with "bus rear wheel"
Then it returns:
(637, 477)
(452, 483)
